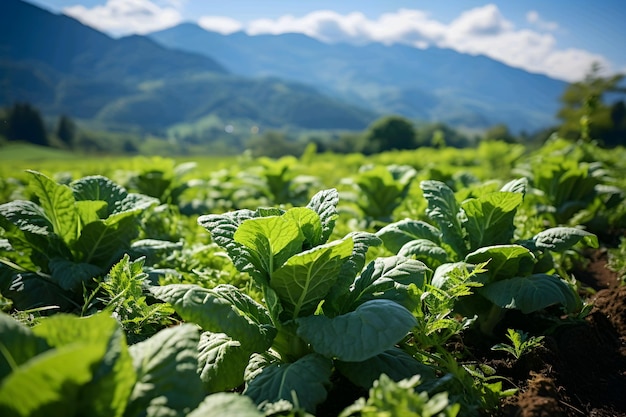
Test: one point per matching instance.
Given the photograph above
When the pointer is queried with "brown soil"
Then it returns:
(581, 370)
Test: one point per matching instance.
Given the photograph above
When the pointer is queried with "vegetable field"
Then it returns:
(431, 282)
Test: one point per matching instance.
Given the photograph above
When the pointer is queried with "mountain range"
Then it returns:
(185, 74)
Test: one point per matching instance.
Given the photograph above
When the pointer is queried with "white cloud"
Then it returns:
(122, 17)
(533, 18)
(222, 24)
(482, 30)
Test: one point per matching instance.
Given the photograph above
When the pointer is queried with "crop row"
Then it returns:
(288, 287)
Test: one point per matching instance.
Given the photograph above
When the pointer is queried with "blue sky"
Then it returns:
(560, 38)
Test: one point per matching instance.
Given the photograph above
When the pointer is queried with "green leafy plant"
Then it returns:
(124, 297)
(521, 343)
(319, 313)
(71, 366)
(53, 248)
(379, 190)
(520, 275)
(387, 397)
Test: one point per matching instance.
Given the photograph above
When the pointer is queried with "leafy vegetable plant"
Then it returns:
(54, 247)
(321, 311)
(379, 190)
(481, 230)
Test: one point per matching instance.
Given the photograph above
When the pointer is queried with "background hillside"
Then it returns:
(431, 84)
(64, 67)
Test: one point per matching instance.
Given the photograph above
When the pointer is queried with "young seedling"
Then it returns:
(521, 343)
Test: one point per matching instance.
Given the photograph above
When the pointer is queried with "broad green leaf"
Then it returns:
(336, 301)
(50, 384)
(101, 244)
(29, 291)
(168, 382)
(395, 363)
(375, 326)
(90, 211)
(531, 293)
(390, 278)
(130, 206)
(559, 239)
(304, 381)
(27, 216)
(57, 202)
(72, 275)
(324, 203)
(308, 222)
(222, 361)
(17, 345)
(505, 261)
(490, 218)
(426, 251)
(305, 279)
(222, 228)
(106, 394)
(446, 212)
(271, 240)
(396, 235)
(99, 188)
(216, 313)
(224, 404)
(244, 303)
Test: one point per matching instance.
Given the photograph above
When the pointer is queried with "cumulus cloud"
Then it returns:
(222, 24)
(482, 30)
(122, 17)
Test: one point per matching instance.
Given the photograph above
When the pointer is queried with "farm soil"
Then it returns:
(581, 369)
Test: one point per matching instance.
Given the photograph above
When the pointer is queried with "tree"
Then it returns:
(66, 130)
(585, 114)
(25, 123)
(390, 132)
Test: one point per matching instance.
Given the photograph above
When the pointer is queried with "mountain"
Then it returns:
(62, 66)
(432, 84)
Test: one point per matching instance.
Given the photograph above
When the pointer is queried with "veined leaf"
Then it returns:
(396, 235)
(395, 363)
(222, 228)
(57, 202)
(222, 361)
(324, 203)
(244, 303)
(18, 345)
(308, 222)
(217, 314)
(99, 188)
(490, 218)
(305, 279)
(226, 404)
(375, 326)
(271, 240)
(27, 216)
(90, 211)
(336, 301)
(168, 383)
(306, 380)
(390, 278)
(71, 275)
(426, 251)
(50, 384)
(531, 293)
(100, 243)
(505, 261)
(559, 239)
(446, 212)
